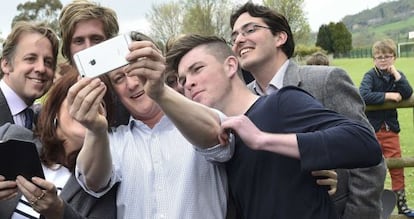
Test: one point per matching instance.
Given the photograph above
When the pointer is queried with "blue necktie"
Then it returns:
(28, 120)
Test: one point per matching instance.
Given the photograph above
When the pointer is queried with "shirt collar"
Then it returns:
(15, 103)
(276, 82)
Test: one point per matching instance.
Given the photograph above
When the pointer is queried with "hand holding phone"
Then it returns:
(103, 57)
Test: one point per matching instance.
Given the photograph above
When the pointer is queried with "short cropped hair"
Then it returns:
(82, 10)
(215, 46)
(22, 27)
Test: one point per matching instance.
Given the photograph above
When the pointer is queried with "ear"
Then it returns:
(231, 65)
(6, 68)
(281, 38)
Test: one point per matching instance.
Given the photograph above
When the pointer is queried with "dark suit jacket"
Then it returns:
(78, 204)
(359, 190)
(5, 113)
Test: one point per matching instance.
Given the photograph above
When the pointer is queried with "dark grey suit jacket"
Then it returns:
(359, 190)
(5, 113)
(78, 204)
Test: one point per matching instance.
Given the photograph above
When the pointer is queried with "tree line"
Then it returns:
(210, 17)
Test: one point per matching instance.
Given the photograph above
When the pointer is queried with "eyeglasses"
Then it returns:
(245, 31)
(383, 58)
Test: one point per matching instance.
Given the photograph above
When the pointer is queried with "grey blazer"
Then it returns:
(5, 113)
(77, 203)
(359, 190)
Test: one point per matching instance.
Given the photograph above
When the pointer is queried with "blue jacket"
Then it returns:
(373, 87)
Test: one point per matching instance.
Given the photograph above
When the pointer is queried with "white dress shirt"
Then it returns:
(15, 103)
(274, 84)
(162, 175)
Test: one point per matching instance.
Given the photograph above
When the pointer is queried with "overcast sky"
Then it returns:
(131, 13)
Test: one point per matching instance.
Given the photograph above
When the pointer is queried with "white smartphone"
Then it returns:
(103, 57)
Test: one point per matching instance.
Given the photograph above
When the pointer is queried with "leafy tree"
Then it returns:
(324, 39)
(335, 38)
(40, 10)
(1, 42)
(205, 17)
(166, 21)
(342, 39)
(197, 17)
(293, 11)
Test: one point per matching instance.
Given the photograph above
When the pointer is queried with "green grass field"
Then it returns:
(356, 69)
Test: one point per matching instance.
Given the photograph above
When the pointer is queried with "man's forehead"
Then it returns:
(245, 19)
(30, 41)
(90, 27)
(191, 57)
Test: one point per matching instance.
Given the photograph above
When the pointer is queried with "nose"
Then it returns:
(190, 83)
(239, 38)
(132, 82)
(89, 43)
(40, 66)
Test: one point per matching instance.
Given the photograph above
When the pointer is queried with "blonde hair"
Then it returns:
(22, 27)
(318, 58)
(384, 46)
(81, 10)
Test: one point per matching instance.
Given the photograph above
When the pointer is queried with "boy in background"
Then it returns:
(380, 84)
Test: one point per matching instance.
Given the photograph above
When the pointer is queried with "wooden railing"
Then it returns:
(397, 162)
(392, 105)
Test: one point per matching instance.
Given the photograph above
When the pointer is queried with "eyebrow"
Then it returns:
(245, 25)
(191, 68)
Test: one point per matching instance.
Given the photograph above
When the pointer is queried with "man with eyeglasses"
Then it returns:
(381, 84)
(263, 42)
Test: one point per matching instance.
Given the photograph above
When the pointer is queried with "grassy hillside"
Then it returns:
(390, 19)
(398, 31)
(357, 68)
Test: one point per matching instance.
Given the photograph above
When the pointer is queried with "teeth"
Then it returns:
(37, 80)
(243, 51)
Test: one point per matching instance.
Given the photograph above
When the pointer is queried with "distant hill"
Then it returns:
(392, 19)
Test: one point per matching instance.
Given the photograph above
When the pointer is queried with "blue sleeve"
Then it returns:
(404, 87)
(326, 139)
(366, 90)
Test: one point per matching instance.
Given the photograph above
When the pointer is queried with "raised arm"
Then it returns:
(199, 124)
(94, 160)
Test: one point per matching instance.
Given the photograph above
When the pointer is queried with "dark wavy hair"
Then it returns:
(276, 21)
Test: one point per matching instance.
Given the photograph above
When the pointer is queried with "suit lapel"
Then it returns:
(7, 207)
(5, 113)
(71, 188)
(292, 76)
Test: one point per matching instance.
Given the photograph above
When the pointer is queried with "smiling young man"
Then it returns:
(28, 66)
(263, 42)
